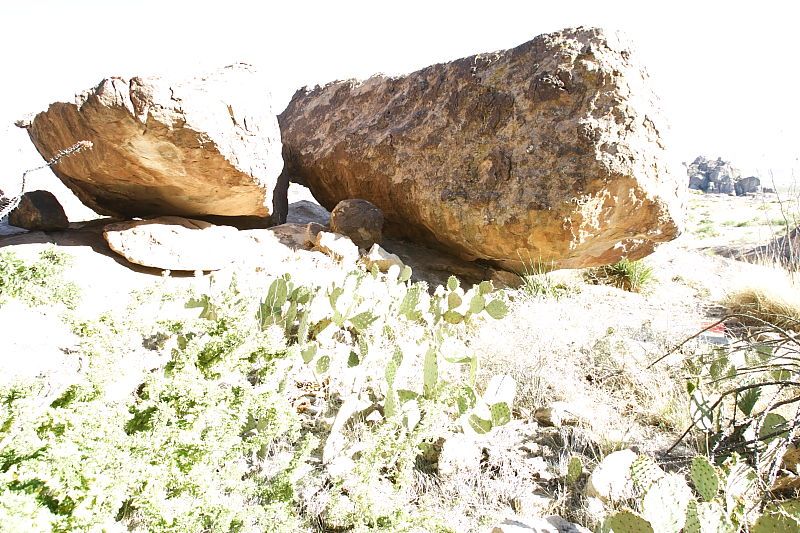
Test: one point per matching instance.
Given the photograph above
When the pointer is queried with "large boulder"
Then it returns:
(748, 185)
(204, 146)
(548, 152)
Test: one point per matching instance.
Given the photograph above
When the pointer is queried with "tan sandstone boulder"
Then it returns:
(550, 152)
(204, 146)
(175, 243)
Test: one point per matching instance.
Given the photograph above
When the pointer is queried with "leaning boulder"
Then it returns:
(39, 210)
(204, 146)
(174, 243)
(549, 152)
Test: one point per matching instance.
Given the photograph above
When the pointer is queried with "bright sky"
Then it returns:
(726, 72)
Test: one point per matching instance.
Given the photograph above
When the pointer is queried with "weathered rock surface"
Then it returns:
(549, 151)
(39, 210)
(358, 219)
(204, 146)
(174, 243)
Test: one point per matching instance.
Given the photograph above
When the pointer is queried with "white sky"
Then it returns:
(727, 72)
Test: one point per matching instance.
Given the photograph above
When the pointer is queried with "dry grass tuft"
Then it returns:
(772, 298)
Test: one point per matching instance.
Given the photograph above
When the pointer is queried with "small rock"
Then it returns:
(557, 414)
(39, 210)
(289, 234)
(337, 246)
(305, 211)
(548, 524)
(358, 219)
(611, 479)
(379, 257)
(312, 230)
(174, 243)
(460, 453)
(502, 279)
(531, 504)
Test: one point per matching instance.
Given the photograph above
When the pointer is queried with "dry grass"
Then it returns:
(773, 297)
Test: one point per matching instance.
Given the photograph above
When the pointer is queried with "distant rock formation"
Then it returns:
(548, 152)
(720, 177)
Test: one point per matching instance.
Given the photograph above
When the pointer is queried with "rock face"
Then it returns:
(174, 243)
(39, 210)
(550, 151)
(720, 177)
(205, 146)
(360, 220)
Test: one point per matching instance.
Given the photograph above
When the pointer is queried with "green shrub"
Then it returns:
(37, 283)
(212, 439)
(633, 276)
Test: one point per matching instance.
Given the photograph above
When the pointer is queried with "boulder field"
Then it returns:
(548, 154)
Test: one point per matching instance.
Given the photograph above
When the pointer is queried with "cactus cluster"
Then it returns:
(716, 505)
(349, 309)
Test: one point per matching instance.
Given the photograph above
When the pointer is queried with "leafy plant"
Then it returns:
(633, 276)
(719, 502)
(37, 283)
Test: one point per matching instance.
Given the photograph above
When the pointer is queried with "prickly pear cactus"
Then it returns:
(705, 478)
(645, 472)
(627, 522)
(706, 517)
(430, 372)
(779, 517)
(666, 502)
(574, 470)
(501, 414)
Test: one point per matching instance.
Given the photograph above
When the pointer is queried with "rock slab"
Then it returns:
(551, 151)
(39, 210)
(203, 146)
(174, 243)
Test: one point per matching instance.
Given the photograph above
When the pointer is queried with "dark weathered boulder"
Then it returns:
(748, 185)
(204, 146)
(39, 210)
(549, 152)
(360, 220)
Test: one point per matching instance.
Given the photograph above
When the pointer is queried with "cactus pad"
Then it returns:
(645, 472)
(574, 470)
(627, 522)
(501, 413)
(705, 478)
(666, 502)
